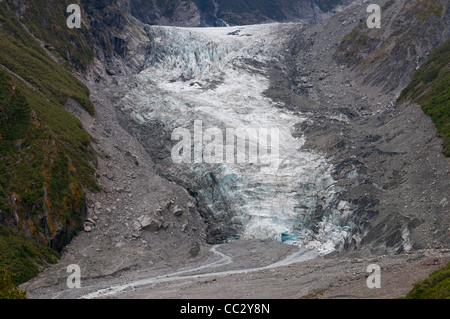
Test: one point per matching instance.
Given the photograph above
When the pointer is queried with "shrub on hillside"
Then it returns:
(8, 289)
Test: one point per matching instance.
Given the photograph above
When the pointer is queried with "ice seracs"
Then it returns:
(218, 77)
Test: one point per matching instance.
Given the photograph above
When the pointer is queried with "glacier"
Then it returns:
(219, 76)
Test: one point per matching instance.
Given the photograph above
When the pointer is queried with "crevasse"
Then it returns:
(218, 76)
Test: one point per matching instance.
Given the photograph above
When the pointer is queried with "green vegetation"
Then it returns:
(363, 49)
(354, 43)
(429, 87)
(366, 48)
(436, 286)
(45, 154)
(48, 23)
(424, 8)
(22, 256)
(23, 55)
(43, 148)
(8, 289)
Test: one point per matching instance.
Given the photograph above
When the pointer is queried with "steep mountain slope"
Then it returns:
(430, 88)
(229, 12)
(388, 155)
(45, 160)
(374, 146)
(387, 57)
(383, 159)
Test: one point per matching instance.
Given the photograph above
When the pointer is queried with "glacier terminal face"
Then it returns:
(217, 77)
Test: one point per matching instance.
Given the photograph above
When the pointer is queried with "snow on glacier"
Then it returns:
(217, 75)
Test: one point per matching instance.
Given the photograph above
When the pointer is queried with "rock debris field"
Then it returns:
(351, 190)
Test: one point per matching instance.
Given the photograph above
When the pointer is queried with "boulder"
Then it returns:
(149, 223)
(177, 211)
(90, 220)
(152, 225)
(98, 206)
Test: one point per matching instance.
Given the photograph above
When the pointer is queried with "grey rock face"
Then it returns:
(386, 163)
(196, 13)
(387, 57)
(387, 156)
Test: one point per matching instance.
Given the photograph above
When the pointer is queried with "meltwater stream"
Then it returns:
(217, 77)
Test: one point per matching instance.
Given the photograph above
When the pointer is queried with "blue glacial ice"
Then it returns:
(219, 77)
